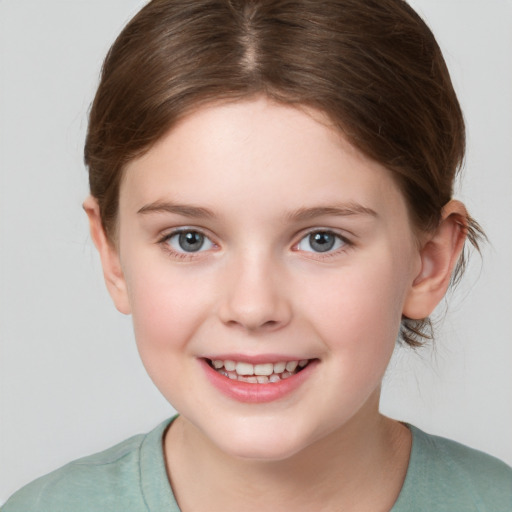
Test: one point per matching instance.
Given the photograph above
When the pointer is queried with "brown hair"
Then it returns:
(373, 66)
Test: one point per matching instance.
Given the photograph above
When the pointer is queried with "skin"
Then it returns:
(257, 288)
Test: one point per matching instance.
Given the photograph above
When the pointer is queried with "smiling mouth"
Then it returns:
(265, 373)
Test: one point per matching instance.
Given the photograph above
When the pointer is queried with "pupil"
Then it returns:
(321, 241)
(191, 241)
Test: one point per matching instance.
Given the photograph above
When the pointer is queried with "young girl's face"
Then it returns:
(254, 233)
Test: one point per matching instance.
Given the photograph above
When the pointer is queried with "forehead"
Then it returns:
(270, 155)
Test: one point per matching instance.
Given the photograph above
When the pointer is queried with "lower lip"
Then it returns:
(257, 393)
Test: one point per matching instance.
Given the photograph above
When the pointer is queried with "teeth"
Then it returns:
(291, 366)
(262, 373)
(230, 365)
(279, 367)
(264, 369)
(244, 369)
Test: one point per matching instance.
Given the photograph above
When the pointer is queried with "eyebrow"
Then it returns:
(299, 215)
(303, 214)
(179, 209)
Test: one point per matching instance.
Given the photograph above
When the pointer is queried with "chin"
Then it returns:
(262, 442)
(264, 451)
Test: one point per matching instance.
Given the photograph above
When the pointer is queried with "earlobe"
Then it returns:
(109, 255)
(439, 256)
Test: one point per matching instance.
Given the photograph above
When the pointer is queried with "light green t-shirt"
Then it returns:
(443, 476)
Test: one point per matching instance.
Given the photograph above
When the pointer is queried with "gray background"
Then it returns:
(70, 379)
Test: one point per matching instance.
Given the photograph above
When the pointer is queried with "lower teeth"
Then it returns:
(256, 379)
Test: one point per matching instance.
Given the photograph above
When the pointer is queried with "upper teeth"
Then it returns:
(264, 369)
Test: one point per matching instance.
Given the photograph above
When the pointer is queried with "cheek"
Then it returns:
(166, 310)
(166, 315)
(358, 321)
(360, 308)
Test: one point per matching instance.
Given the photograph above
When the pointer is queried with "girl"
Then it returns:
(271, 197)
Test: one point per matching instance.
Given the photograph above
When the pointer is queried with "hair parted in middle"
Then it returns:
(373, 67)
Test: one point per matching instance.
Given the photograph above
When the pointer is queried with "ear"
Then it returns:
(109, 255)
(439, 256)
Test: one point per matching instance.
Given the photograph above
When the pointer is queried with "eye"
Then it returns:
(321, 241)
(189, 240)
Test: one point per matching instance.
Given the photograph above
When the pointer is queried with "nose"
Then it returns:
(254, 296)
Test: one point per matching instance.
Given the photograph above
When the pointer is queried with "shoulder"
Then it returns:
(448, 476)
(106, 481)
(478, 467)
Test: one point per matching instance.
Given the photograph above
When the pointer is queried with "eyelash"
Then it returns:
(184, 256)
(346, 244)
(187, 256)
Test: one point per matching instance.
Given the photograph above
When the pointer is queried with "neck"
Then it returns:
(360, 466)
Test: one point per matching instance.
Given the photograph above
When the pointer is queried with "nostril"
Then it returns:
(253, 324)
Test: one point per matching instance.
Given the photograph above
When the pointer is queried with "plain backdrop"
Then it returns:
(70, 379)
